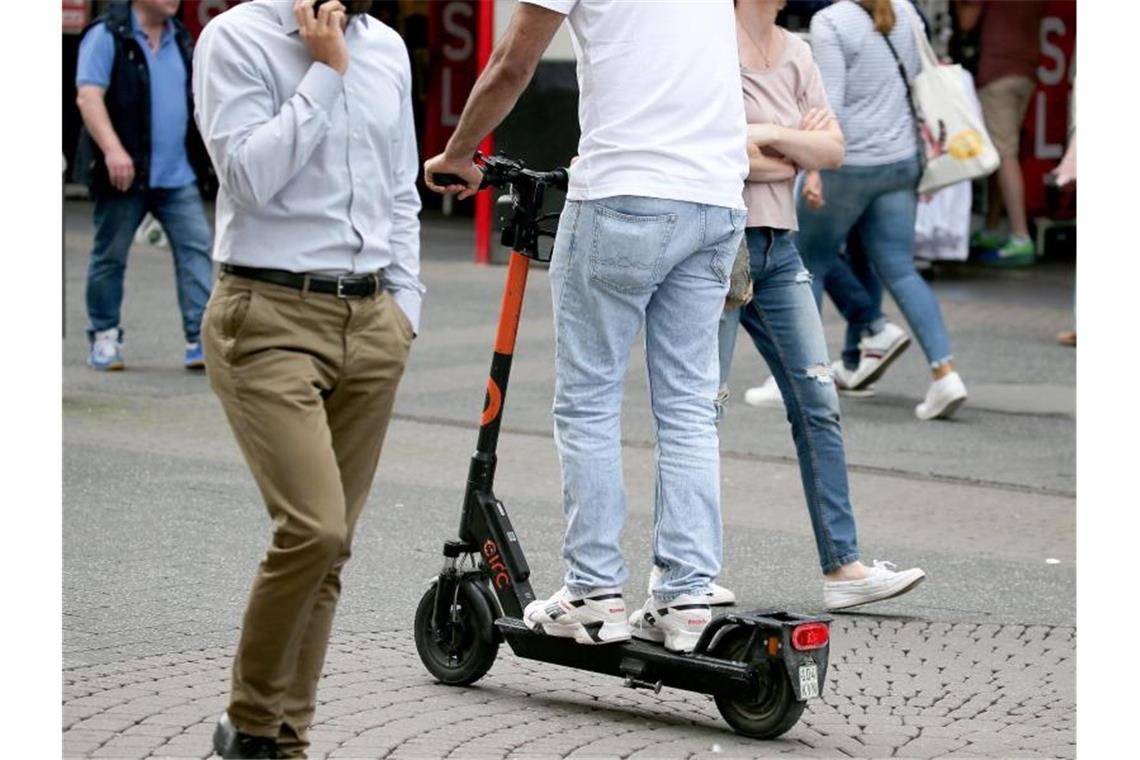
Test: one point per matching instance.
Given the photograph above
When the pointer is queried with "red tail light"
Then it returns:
(810, 636)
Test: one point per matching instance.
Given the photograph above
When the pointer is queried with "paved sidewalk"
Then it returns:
(163, 528)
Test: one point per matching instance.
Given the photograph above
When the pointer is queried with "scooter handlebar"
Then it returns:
(501, 171)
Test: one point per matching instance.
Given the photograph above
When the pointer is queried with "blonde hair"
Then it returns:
(883, 14)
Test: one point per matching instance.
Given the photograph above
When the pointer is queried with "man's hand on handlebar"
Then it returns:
(463, 168)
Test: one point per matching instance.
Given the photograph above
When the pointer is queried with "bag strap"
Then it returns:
(919, 143)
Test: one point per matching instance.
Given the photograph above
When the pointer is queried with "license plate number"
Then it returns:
(809, 681)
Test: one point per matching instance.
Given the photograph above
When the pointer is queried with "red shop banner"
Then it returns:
(76, 14)
(1046, 128)
(451, 41)
(197, 13)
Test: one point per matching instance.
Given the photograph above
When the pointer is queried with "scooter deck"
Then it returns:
(642, 663)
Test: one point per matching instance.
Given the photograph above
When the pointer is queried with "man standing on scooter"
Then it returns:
(307, 115)
(653, 219)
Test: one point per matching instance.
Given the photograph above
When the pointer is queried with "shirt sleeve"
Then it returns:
(560, 6)
(255, 148)
(96, 57)
(814, 94)
(402, 276)
(828, 55)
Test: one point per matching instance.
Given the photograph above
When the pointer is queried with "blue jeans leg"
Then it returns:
(784, 323)
(887, 230)
(117, 217)
(620, 264)
(180, 213)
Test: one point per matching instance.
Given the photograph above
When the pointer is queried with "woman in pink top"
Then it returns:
(790, 127)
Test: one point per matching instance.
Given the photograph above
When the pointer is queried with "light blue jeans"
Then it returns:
(619, 265)
(879, 203)
(117, 216)
(783, 321)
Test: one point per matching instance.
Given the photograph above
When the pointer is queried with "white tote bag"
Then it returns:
(955, 142)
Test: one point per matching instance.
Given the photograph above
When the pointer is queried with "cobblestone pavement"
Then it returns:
(895, 689)
(163, 528)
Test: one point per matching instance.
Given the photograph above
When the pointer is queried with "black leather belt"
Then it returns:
(345, 286)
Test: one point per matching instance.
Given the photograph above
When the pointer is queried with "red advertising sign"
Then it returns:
(451, 40)
(76, 14)
(197, 13)
(1046, 126)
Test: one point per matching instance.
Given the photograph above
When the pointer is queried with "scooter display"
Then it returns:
(761, 667)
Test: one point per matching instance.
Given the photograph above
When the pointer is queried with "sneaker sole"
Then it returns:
(107, 368)
(888, 359)
(585, 633)
(852, 393)
(882, 596)
(195, 365)
(945, 412)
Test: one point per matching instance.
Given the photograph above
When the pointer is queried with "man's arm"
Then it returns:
(256, 149)
(93, 109)
(402, 276)
(508, 72)
(92, 77)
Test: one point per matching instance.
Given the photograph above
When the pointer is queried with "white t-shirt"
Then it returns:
(659, 100)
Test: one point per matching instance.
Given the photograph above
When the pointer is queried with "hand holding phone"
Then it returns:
(320, 24)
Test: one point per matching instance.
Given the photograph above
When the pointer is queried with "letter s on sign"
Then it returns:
(458, 29)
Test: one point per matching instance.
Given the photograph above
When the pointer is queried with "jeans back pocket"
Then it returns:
(627, 249)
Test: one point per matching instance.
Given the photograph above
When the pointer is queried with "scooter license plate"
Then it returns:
(809, 681)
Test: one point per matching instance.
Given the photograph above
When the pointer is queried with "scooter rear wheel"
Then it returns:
(773, 709)
(464, 651)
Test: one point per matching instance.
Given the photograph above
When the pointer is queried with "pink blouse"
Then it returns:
(781, 95)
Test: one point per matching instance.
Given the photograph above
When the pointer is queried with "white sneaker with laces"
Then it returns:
(677, 624)
(943, 398)
(843, 379)
(884, 582)
(597, 618)
(876, 353)
(766, 395)
(718, 596)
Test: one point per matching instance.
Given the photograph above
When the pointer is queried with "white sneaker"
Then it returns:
(597, 618)
(718, 596)
(106, 352)
(766, 395)
(883, 583)
(677, 624)
(843, 379)
(876, 353)
(943, 399)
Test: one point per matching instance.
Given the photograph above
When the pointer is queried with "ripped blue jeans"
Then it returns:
(784, 323)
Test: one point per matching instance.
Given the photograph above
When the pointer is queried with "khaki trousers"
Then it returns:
(307, 381)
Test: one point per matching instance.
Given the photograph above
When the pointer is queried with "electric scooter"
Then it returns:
(761, 667)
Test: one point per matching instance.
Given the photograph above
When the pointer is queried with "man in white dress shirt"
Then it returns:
(307, 117)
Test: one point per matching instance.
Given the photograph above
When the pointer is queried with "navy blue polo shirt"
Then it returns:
(169, 166)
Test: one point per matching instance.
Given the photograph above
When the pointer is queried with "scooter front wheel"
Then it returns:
(773, 709)
(463, 650)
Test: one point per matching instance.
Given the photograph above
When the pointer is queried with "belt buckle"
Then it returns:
(340, 287)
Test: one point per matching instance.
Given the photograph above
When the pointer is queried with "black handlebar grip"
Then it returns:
(443, 180)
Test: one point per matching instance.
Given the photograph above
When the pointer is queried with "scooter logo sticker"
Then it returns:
(494, 403)
(495, 563)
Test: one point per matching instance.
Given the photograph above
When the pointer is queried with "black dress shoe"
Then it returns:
(231, 743)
